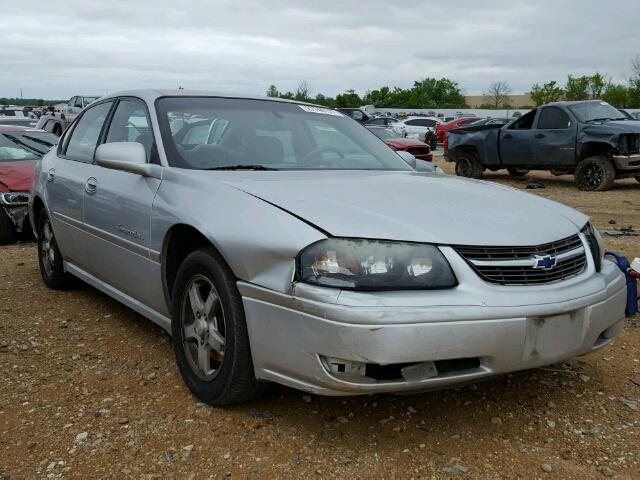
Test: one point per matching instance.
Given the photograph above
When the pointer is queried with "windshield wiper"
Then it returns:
(242, 167)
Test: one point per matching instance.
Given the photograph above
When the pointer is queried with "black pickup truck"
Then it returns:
(592, 140)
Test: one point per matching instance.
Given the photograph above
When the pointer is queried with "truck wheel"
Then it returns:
(209, 332)
(7, 232)
(468, 165)
(595, 174)
(517, 172)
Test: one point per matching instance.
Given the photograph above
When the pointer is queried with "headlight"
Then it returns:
(374, 265)
(595, 244)
(14, 198)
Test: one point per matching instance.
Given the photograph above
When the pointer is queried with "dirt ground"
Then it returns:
(89, 389)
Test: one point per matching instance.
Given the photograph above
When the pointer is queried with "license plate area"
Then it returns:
(554, 336)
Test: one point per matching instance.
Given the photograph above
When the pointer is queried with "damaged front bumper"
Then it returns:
(627, 162)
(15, 205)
(334, 342)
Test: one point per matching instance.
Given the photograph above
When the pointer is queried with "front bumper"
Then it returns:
(627, 162)
(15, 205)
(294, 337)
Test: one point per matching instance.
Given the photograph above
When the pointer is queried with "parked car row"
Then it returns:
(281, 241)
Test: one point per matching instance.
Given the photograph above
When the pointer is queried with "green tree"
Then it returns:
(577, 88)
(549, 92)
(272, 91)
(597, 85)
(633, 93)
(616, 95)
(348, 99)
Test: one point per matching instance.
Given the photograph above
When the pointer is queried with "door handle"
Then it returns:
(539, 135)
(508, 135)
(51, 174)
(91, 185)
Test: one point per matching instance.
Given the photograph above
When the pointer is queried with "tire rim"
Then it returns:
(463, 167)
(203, 327)
(47, 248)
(593, 175)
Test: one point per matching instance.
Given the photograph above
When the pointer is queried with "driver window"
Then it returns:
(553, 118)
(130, 124)
(525, 122)
(357, 115)
(78, 102)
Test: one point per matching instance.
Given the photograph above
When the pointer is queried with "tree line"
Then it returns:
(31, 102)
(426, 93)
(445, 93)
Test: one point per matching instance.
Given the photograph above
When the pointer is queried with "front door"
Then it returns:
(515, 142)
(66, 178)
(554, 142)
(117, 212)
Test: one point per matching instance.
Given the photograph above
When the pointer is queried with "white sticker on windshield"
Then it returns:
(324, 111)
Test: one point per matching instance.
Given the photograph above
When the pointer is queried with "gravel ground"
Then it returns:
(90, 390)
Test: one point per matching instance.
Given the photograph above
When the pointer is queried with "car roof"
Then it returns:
(16, 129)
(150, 95)
(572, 102)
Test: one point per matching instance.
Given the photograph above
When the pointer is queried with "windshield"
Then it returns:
(25, 145)
(385, 133)
(212, 133)
(596, 111)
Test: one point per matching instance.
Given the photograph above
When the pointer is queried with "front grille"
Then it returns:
(517, 265)
(630, 144)
(418, 150)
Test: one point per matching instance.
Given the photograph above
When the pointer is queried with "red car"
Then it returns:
(396, 141)
(458, 122)
(20, 149)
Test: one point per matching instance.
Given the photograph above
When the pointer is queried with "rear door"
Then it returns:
(516, 140)
(117, 211)
(554, 142)
(66, 179)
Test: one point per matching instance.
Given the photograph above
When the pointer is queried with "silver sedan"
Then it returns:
(281, 241)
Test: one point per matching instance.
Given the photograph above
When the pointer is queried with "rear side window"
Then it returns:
(131, 124)
(553, 118)
(525, 122)
(84, 138)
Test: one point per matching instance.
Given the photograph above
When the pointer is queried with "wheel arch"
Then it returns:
(36, 208)
(595, 149)
(179, 241)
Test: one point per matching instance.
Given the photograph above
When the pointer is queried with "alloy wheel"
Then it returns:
(203, 327)
(47, 248)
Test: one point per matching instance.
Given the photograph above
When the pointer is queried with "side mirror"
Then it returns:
(128, 157)
(408, 158)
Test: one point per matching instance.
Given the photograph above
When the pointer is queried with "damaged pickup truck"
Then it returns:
(592, 140)
(20, 148)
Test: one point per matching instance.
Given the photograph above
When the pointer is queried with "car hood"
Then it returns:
(412, 206)
(404, 142)
(614, 126)
(17, 176)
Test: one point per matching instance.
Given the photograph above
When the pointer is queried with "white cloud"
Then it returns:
(57, 49)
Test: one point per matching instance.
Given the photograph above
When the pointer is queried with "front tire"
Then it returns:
(49, 256)
(595, 174)
(468, 165)
(517, 172)
(209, 332)
(7, 232)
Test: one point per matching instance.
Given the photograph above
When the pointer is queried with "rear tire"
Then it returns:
(468, 165)
(517, 172)
(209, 331)
(49, 256)
(7, 232)
(595, 174)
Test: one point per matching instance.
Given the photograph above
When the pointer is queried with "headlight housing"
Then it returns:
(14, 199)
(595, 244)
(359, 264)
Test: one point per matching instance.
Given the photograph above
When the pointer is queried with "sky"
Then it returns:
(57, 49)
